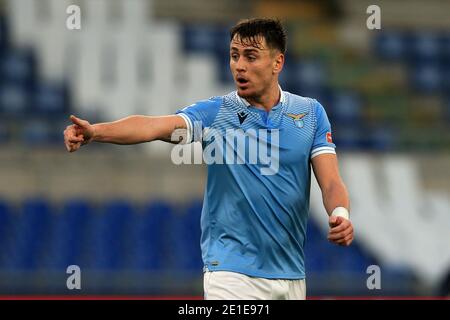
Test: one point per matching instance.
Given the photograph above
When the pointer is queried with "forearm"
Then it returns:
(132, 130)
(335, 195)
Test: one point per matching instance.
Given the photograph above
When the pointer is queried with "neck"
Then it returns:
(268, 100)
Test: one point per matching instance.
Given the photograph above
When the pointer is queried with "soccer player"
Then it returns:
(255, 209)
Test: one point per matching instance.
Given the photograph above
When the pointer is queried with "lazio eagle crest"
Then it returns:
(298, 118)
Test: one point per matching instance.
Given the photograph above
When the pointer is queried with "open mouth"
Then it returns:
(241, 80)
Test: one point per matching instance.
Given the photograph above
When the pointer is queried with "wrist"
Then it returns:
(95, 132)
(341, 212)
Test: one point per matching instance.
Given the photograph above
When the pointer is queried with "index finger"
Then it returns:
(78, 121)
(341, 227)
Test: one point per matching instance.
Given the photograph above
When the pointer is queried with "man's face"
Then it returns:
(254, 68)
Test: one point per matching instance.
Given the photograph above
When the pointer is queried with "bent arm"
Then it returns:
(138, 129)
(334, 192)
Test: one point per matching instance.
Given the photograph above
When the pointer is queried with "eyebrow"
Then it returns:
(246, 50)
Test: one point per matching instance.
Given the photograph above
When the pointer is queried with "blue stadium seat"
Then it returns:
(4, 34)
(309, 76)
(382, 138)
(444, 46)
(149, 246)
(323, 256)
(391, 45)
(316, 259)
(9, 231)
(118, 212)
(345, 107)
(223, 65)
(222, 54)
(5, 131)
(313, 233)
(353, 137)
(67, 234)
(14, 100)
(213, 40)
(5, 217)
(222, 39)
(350, 259)
(50, 100)
(18, 66)
(31, 233)
(36, 131)
(397, 274)
(325, 97)
(199, 38)
(447, 108)
(185, 236)
(425, 46)
(56, 255)
(76, 211)
(106, 235)
(286, 78)
(191, 236)
(427, 78)
(445, 78)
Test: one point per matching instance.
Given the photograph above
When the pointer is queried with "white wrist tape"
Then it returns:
(341, 212)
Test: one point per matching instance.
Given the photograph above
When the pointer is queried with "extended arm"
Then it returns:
(129, 130)
(334, 195)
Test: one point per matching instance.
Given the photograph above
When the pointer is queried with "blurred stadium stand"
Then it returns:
(130, 218)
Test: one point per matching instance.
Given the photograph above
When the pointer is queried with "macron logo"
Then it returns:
(242, 116)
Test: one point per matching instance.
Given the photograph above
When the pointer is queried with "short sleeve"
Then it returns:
(198, 116)
(323, 142)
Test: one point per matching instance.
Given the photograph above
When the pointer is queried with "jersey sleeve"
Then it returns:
(323, 142)
(198, 116)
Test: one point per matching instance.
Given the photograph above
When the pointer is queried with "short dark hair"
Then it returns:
(250, 29)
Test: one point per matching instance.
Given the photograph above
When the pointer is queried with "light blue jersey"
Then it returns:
(254, 221)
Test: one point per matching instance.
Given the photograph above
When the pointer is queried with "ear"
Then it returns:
(278, 63)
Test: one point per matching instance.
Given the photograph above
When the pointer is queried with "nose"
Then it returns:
(240, 65)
